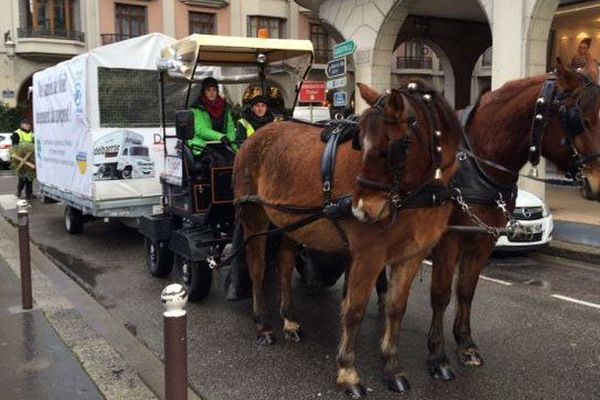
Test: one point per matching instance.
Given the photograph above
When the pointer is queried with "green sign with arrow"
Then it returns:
(344, 49)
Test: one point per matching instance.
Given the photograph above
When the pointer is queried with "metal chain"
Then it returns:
(491, 230)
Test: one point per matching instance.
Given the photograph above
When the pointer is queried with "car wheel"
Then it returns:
(126, 174)
(159, 259)
(73, 220)
(196, 277)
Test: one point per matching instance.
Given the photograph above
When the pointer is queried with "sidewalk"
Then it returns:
(36, 364)
(576, 225)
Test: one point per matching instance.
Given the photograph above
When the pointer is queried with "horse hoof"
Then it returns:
(397, 383)
(441, 373)
(356, 391)
(265, 339)
(292, 336)
(471, 357)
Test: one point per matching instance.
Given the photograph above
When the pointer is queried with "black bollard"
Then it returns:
(24, 255)
(174, 298)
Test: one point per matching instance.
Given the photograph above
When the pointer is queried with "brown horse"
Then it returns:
(500, 132)
(408, 137)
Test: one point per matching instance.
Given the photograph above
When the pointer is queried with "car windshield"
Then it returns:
(138, 151)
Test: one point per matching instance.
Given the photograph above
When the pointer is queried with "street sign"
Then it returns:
(337, 83)
(343, 49)
(340, 99)
(312, 92)
(336, 68)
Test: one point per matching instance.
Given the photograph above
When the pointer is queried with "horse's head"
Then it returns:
(574, 142)
(408, 138)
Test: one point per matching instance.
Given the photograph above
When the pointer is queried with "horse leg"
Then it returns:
(287, 263)
(401, 279)
(471, 264)
(255, 221)
(444, 259)
(382, 288)
(362, 276)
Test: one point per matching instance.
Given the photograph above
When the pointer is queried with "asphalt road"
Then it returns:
(536, 345)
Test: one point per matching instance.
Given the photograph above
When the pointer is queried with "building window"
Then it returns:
(274, 25)
(202, 23)
(130, 21)
(49, 18)
(321, 43)
(416, 56)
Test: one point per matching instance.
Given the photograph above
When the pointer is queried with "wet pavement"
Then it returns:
(536, 346)
(36, 364)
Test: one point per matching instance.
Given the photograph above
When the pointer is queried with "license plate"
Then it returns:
(533, 228)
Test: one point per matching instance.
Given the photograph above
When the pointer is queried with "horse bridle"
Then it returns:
(398, 148)
(551, 100)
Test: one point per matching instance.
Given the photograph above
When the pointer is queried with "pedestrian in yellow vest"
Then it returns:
(254, 118)
(24, 135)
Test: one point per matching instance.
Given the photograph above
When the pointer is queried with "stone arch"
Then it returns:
(536, 40)
(449, 81)
(482, 82)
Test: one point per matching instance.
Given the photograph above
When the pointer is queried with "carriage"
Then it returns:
(198, 216)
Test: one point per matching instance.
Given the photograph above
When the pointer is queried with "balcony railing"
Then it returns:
(414, 62)
(108, 38)
(50, 34)
(323, 56)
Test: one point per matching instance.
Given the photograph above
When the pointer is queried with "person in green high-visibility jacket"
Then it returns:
(212, 118)
(254, 118)
(24, 135)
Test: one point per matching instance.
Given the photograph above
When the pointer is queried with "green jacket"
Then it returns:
(205, 132)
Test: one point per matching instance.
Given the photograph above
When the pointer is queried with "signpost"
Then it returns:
(336, 68)
(344, 49)
(340, 99)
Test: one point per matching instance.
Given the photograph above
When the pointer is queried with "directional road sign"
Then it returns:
(337, 83)
(343, 49)
(340, 99)
(336, 68)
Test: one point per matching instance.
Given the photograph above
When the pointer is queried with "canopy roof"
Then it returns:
(223, 50)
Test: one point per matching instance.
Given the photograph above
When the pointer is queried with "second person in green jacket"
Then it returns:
(212, 118)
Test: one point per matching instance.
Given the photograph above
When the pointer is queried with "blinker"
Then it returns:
(396, 154)
(574, 122)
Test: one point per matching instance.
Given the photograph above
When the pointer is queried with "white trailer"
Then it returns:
(97, 128)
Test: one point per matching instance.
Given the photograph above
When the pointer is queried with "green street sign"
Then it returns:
(344, 49)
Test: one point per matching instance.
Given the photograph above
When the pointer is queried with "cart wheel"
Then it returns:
(126, 174)
(73, 220)
(159, 259)
(196, 277)
(318, 273)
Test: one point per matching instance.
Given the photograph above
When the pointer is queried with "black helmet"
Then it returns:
(209, 82)
(259, 99)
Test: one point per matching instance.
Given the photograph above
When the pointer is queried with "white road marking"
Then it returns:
(485, 278)
(501, 282)
(572, 300)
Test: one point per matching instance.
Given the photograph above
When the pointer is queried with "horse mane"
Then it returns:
(590, 97)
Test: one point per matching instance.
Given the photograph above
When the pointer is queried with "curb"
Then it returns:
(54, 293)
(573, 251)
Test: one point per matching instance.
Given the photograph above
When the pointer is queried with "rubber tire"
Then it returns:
(127, 172)
(198, 279)
(160, 263)
(326, 275)
(73, 220)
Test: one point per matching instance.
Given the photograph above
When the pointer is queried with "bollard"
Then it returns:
(174, 298)
(24, 256)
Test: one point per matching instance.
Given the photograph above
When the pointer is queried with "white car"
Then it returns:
(304, 113)
(536, 219)
(5, 145)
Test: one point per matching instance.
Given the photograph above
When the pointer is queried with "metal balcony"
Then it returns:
(108, 38)
(409, 62)
(45, 33)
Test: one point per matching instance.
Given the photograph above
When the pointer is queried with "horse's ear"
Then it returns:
(395, 105)
(369, 95)
(567, 80)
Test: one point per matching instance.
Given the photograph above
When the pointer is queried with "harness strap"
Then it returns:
(541, 112)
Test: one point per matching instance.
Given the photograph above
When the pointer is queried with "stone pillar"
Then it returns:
(168, 14)
(508, 30)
